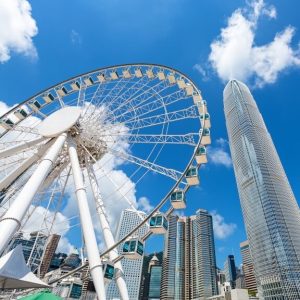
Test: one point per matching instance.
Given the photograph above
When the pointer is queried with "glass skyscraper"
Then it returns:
(230, 270)
(189, 263)
(132, 268)
(270, 211)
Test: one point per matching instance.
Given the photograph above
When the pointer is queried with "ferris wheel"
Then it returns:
(65, 143)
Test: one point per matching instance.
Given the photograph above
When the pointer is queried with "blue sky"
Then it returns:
(209, 40)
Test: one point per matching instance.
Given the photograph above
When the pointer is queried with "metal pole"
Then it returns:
(87, 224)
(107, 234)
(11, 221)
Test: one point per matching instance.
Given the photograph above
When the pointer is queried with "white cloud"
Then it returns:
(3, 107)
(218, 154)
(46, 221)
(75, 37)
(234, 53)
(144, 204)
(222, 230)
(17, 28)
(65, 246)
(203, 71)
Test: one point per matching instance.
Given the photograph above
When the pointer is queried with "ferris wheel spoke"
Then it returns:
(60, 100)
(26, 129)
(110, 96)
(147, 108)
(188, 113)
(174, 174)
(185, 139)
(131, 91)
(20, 147)
(81, 95)
(115, 97)
(136, 124)
(140, 97)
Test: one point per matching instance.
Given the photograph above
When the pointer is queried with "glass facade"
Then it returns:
(270, 211)
(72, 261)
(33, 248)
(189, 264)
(230, 270)
(154, 285)
(132, 267)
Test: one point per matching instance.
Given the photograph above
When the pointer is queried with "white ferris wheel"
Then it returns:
(149, 121)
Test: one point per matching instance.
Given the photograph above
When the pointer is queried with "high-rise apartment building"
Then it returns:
(132, 268)
(230, 270)
(270, 211)
(189, 264)
(248, 268)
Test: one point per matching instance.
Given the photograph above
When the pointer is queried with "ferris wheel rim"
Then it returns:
(140, 64)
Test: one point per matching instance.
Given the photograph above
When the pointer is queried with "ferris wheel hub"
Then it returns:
(60, 121)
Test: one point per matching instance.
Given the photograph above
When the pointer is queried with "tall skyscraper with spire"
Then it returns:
(270, 211)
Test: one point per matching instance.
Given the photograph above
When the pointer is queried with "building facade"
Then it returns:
(146, 272)
(189, 264)
(230, 270)
(155, 271)
(33, 248)
(248, 268)
(270, 211)
(57, 261)
(132, 268)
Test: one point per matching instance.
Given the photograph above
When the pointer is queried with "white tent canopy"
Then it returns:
(15, 274)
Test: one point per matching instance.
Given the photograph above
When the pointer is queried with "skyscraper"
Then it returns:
(189, 264)
(270, 211)
(248, 268)
(132, 267)
(230, 270)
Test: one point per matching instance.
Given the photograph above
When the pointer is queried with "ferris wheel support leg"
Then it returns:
(87, 224)
(107, 234)
(11, 221)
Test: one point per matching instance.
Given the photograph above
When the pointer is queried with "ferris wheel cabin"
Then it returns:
(108, 271)
(201, 157)
(206, 140)
(192, 176)
(178, 199)
(202, 106)
(133, 249)
(158, 224)
(205, 120)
